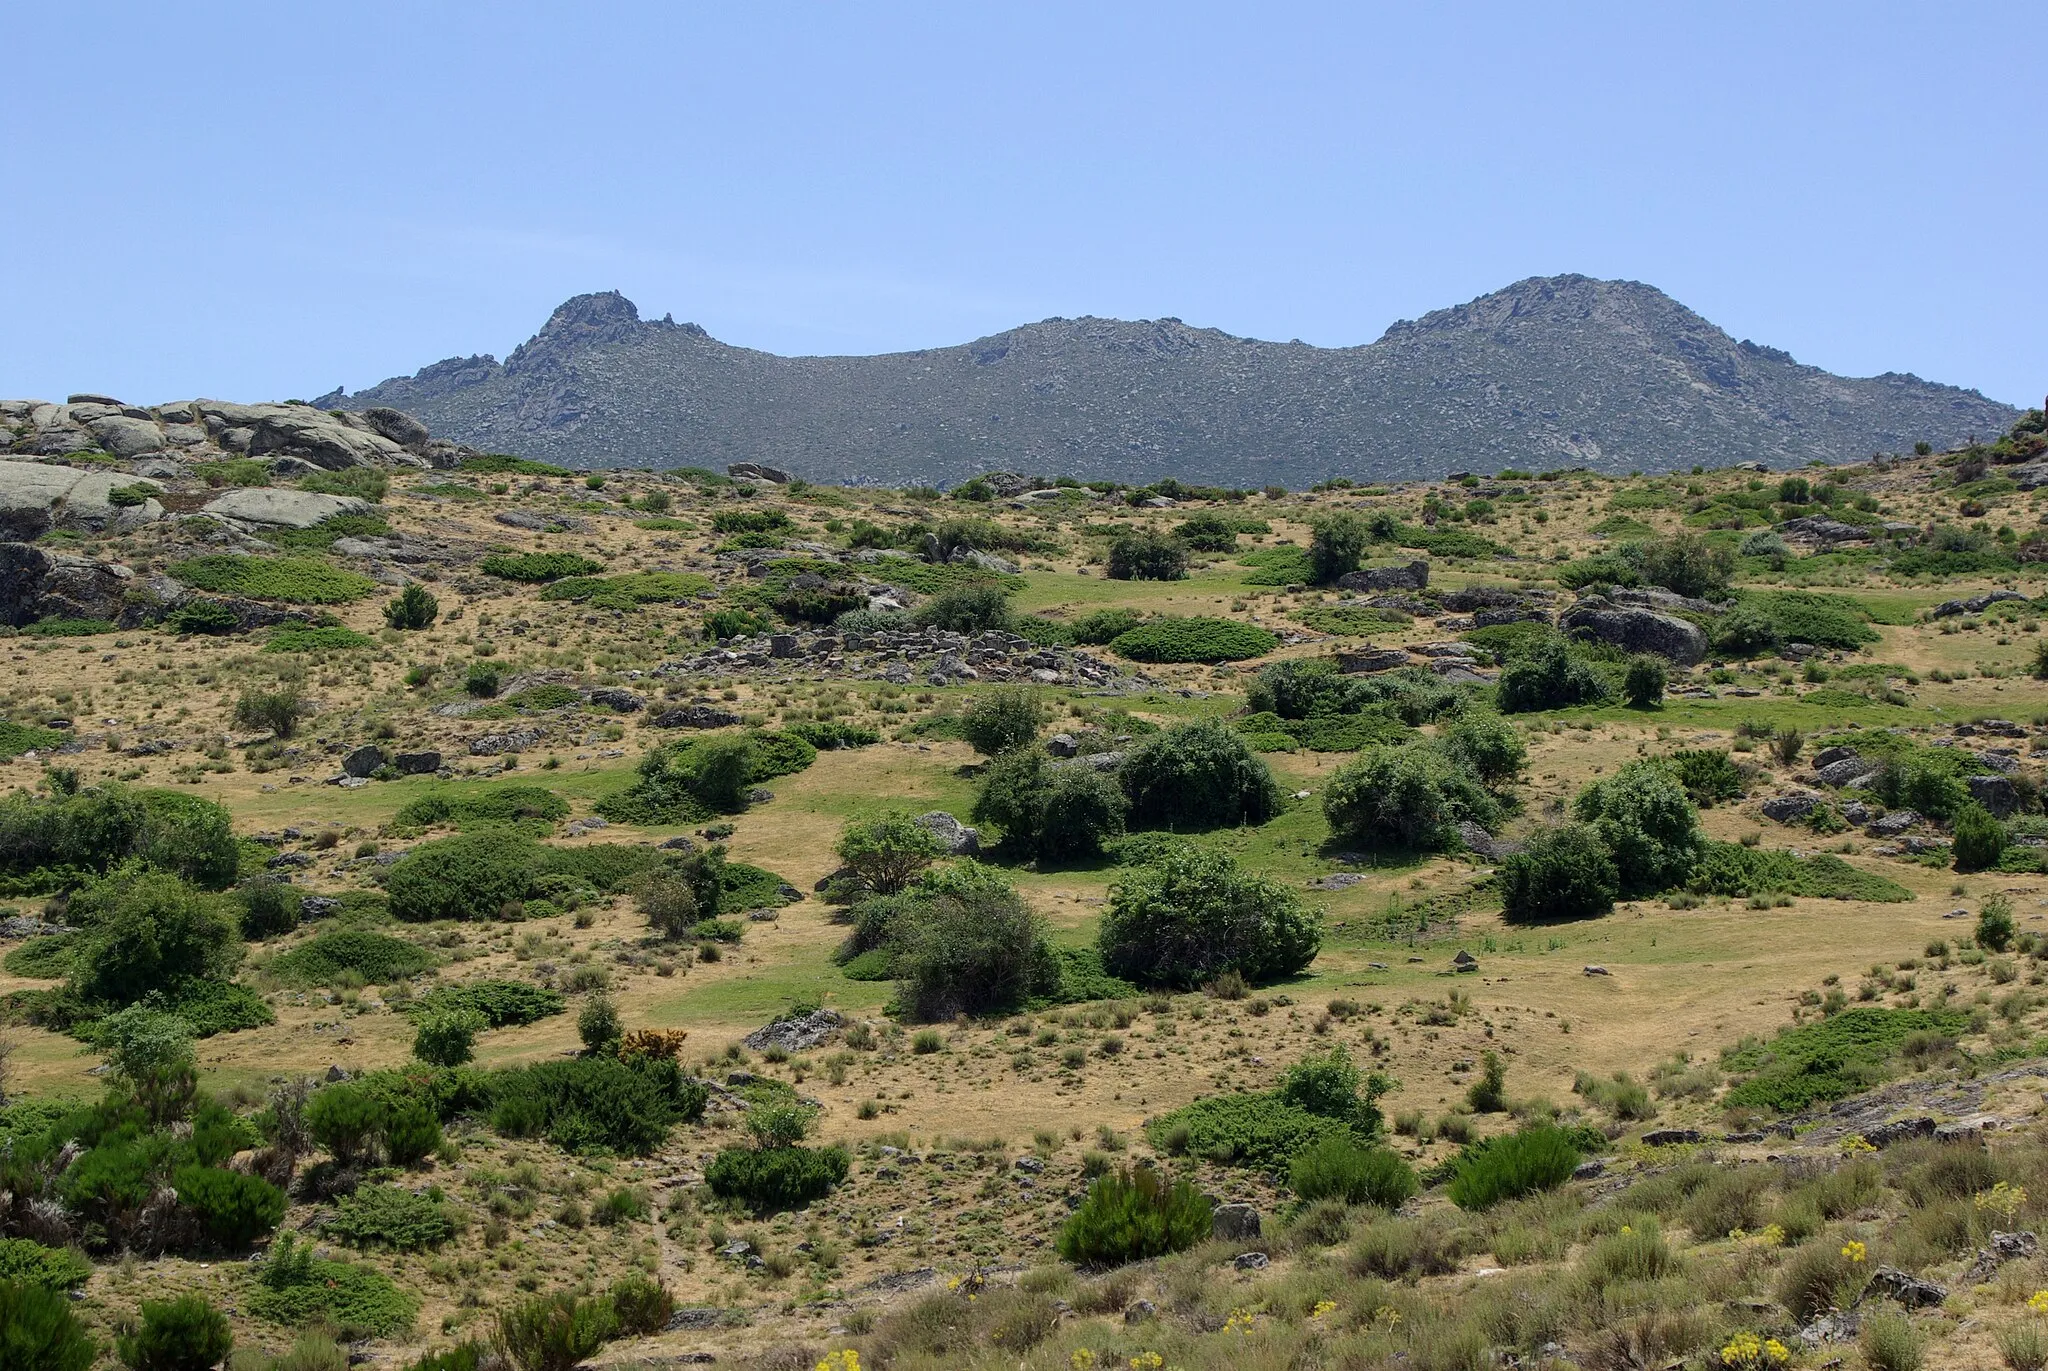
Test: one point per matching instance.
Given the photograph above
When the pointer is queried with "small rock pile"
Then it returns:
(934, 655)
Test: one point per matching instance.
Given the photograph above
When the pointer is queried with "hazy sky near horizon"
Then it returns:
(257, 201)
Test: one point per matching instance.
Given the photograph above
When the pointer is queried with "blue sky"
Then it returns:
(258, 201)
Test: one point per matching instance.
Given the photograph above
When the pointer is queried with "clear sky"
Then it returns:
(264, 200)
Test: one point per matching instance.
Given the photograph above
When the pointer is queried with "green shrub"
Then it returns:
(296, 1288)
(1642, 685)
(1797, 616)
(1133, 1215)
(67, 835)
(1731, 869)
(1548, 677)
(46, 958)
(446, 1037)
(1058, 813)
(1244, 1129)
(1979, 838)
(316, 639)
(472, 876)
(642, 1304)
(827, 735)
(1685, 563)
(773, 1179)
(966, 943)
(68, 628)
(1889, 1342)
(600, 1027)
(1648, 824)
(554, 1332)
(1816, 1279)
(503, 464)
(1488, 746)
(1192, 914)
(1709, 775)
(1278, 566)
(293, 580)
(1338, 1168)
(346, 1120)
(687, 782)
(377, 957)
(16, 739)
(1560, 873)
(1171, 638)
(1831, 1059)
(1195, 776)
(1140, 556)
(53, 1268)
(365, 483)
(1512, 1165)
(148, 932)
(497, 1003)
(38, 1331)
(1994, 924)
(594, 1102)
(1928, 780)
(629, 591)
(412, 608)
(1405, 797)
(1000, 720)
(182, 1334)
(538, 567)
(973, 608)
(391, 1217)
(277, 710)
(497, 804)
(1104, 625)
(233, 1209)
(1336, 546)
(733, 622)
(482, 680)
(887, 852)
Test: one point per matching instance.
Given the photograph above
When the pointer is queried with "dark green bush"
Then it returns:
(538, 567)
(378, 958)
(1488, 746)
(1132, 1215)
(1142, 556)
(319, 639)
(1406, 797)
(296, 1288)
(233, 1209)
(1104, 625)
(1709, 775)
(1336, 546)
(771, 1179)
(688, 782)
(1059, 813)
(1548, 677)
(966, 943)
(642, 1304)
(1192, 913)
(412, 608)
(1002, 719)
(472, 876)
(966, 609)
(148, 932)
(293, 580)
(1642, 685)
(1841, 1055)
(593, 1102)
(498, 1003)
(269, 907)
(1560, 873)
(1198, 776)
(99, 827)
(1994, 924)
(1512, 1165)
(1979, 838)
(1647, 823)
(496, 804)
(1338, 1168)
(554, 1332)
(1171, 638)
(38, 1331)
(629, 591)
(446, 1037)
(182, 1334)
(53, 1268)
(389, 1216)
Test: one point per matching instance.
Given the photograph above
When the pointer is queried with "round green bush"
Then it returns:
(1003, 719)
(1337, 1168)
(1979, 838)
(447, 1037)
(412, 608)
(1147, 557)
(1488, 746)
(1079, 810)
(269, 908)
(233, 1209)
(1405, 797)
(1547, 676)
(554, 1332)
(1337, 545)
(1643, 684)
(1561, 873)
(38, 1331)
(1198, 776)
(148, 931)
(1133, 1215)
(1648, 824)
(1512, 1165)
(1194, 639)
(771, 1179)
(182, 1334)
(471, 876)
(53, 1268)
(1192, 914)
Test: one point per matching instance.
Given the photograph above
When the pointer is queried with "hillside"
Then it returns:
(1549, 372)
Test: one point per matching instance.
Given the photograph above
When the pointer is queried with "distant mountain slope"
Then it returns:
(1551, 371)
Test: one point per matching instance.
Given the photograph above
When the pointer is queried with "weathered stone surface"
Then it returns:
(300, 431)
(1671, 1137)
(1828, 756)
(1892, 824)
(1237, 1222)
(272, 507)
(1824, 530)
(1635, 629)
(1413, 576)
(1791, 806)
(364, 761)
(1485, 844)
(619, 698)
(1975, 604)
(1899, 1130)
(498, 744)
(36, 497)
(1841, 773)
(36, 583)
(1996, 793)
(126, 437)
(1907, 1289)
(756, 471)
(1656, 597)
(800, 1034)
(695, 716)
(398, 426)
(417, 763)
(956, 838)
(1372, 659)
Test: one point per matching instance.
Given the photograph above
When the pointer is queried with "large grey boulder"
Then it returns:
(1823, 530)
(1413, 576)
(1636, 630)
(37, 583)
(126, 437)
(36, 497)
(298, 431)
(1791, 806)
(956, 838)
(1975, 604)
(1996, 793)
(281, 508)
(1373, 659)
(398, 426)
(756, 471)
(1847, 771)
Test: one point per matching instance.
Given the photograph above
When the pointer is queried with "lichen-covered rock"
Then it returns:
(1412, 576)
(1635, 629)
(275, 508)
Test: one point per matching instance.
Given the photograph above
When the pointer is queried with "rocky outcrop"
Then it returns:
(1976, 604)
(277, 508)
(1820, 529)
(36, 497)
(1412, 576)
(293, 438)
(1636, 630)
(956, 838)
(37, 583)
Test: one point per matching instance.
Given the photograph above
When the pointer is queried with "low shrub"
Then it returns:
(1648, 824)
(1560, 873)
(1002, 719)
(554, 1332)
(292, 580)
(25, 1262)
(233, 1209)
(295, 1288)
(1411, 797)
(446, 1037)
(378, 958)
(391, 1217)
(181, 1334)
(498, 804)
(1143, 556)
(1512, 1165)
(1195, 639)
(1338, 1168)
(1548, 677)
(538, 567)
(595, 1102)
(772, 1179)
(412, 609)
(1133, 1215)
(38, 1331)
(497, 1003)
(1830, 1059)
(1192, 913)
(1245, 1129)
(1198, 776)
(642, 1305)
(629, 591)
(471, 876)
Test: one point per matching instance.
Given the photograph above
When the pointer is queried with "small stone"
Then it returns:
(1251, 1261)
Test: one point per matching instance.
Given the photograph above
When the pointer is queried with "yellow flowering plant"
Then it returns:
(1748, 1352)
(1854, 1250)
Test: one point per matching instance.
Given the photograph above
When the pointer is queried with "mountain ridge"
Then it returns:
(1548, 371)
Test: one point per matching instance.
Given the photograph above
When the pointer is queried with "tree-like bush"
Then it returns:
(149, 932)
(1560, 873)
(1198, 776)
(1079, 810)
(600, 1027)
(1132, 1215)
(446, 1037)
(346, 1120)
(1413, 796)
(1338, 1168)
(151, 1054)
(182, 1334)
(38, 1331)
(233, 1209)
(1746, 632)
(592, 1102)
(1337, 546)
(269, 908)
(968, 944)
(1002, 719)
(1642, 685)
(470, 876)
(1548, 676)
(1995, 927)
(885, 853)
(1147, 557)
(642, 1304)
(1512, 1165)
(412, 608)
(966, 609)
(1647, 823)
(553, 1332)
(1192, 914)
(1488, 746)
(1979, 838)
(1685, 563)
(769, 1180)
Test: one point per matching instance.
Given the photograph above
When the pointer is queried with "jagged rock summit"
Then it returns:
(1548, 372)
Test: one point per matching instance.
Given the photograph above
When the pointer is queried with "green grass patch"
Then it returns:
(1824, 620)
(527, 805)
(1829, 1060)
(235, 471)
(293, 580)
(16, 739)
(378, 958)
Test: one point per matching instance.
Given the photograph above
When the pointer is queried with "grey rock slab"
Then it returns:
(1636, 630)
(281, 508)
(36, 497)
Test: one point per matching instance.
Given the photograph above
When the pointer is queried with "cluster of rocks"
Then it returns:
(1975, 604)
(1844, 768)
(799, 1033)
(937, 656)
(293, 438)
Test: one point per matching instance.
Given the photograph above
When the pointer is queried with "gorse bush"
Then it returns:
(641, 1304)
(147, 932)
(293, 580)
(294, 1288)
(625, 1105)
(1336, 546)
(1338, 1168)
(471, 876)
(772, 1179)
(446, 1037)
(497, 1003)
(1054, 812)
(1548, 677)
(498, 804)
(687, 782)
(966, 943)
(1132, 1215)
(1512, 1165)
(1978, 838)
(378, 958)
(553, 1332)
(1192, 914)
(412, 608)
(53, 1268)
(233, 1209)
(390, 1217)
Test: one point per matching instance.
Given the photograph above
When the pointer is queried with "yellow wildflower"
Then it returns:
(1240, 1321)
(1773, 1235)
(1856, 1143)
(2038, 1302)
(1147, 1361)
(1387, 1316)
(1322, 1307)
(2003, 1199)
(849, 1360)
(1082, 1359)
(1855, 1251)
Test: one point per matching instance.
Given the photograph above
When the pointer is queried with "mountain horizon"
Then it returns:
(1549, 371)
